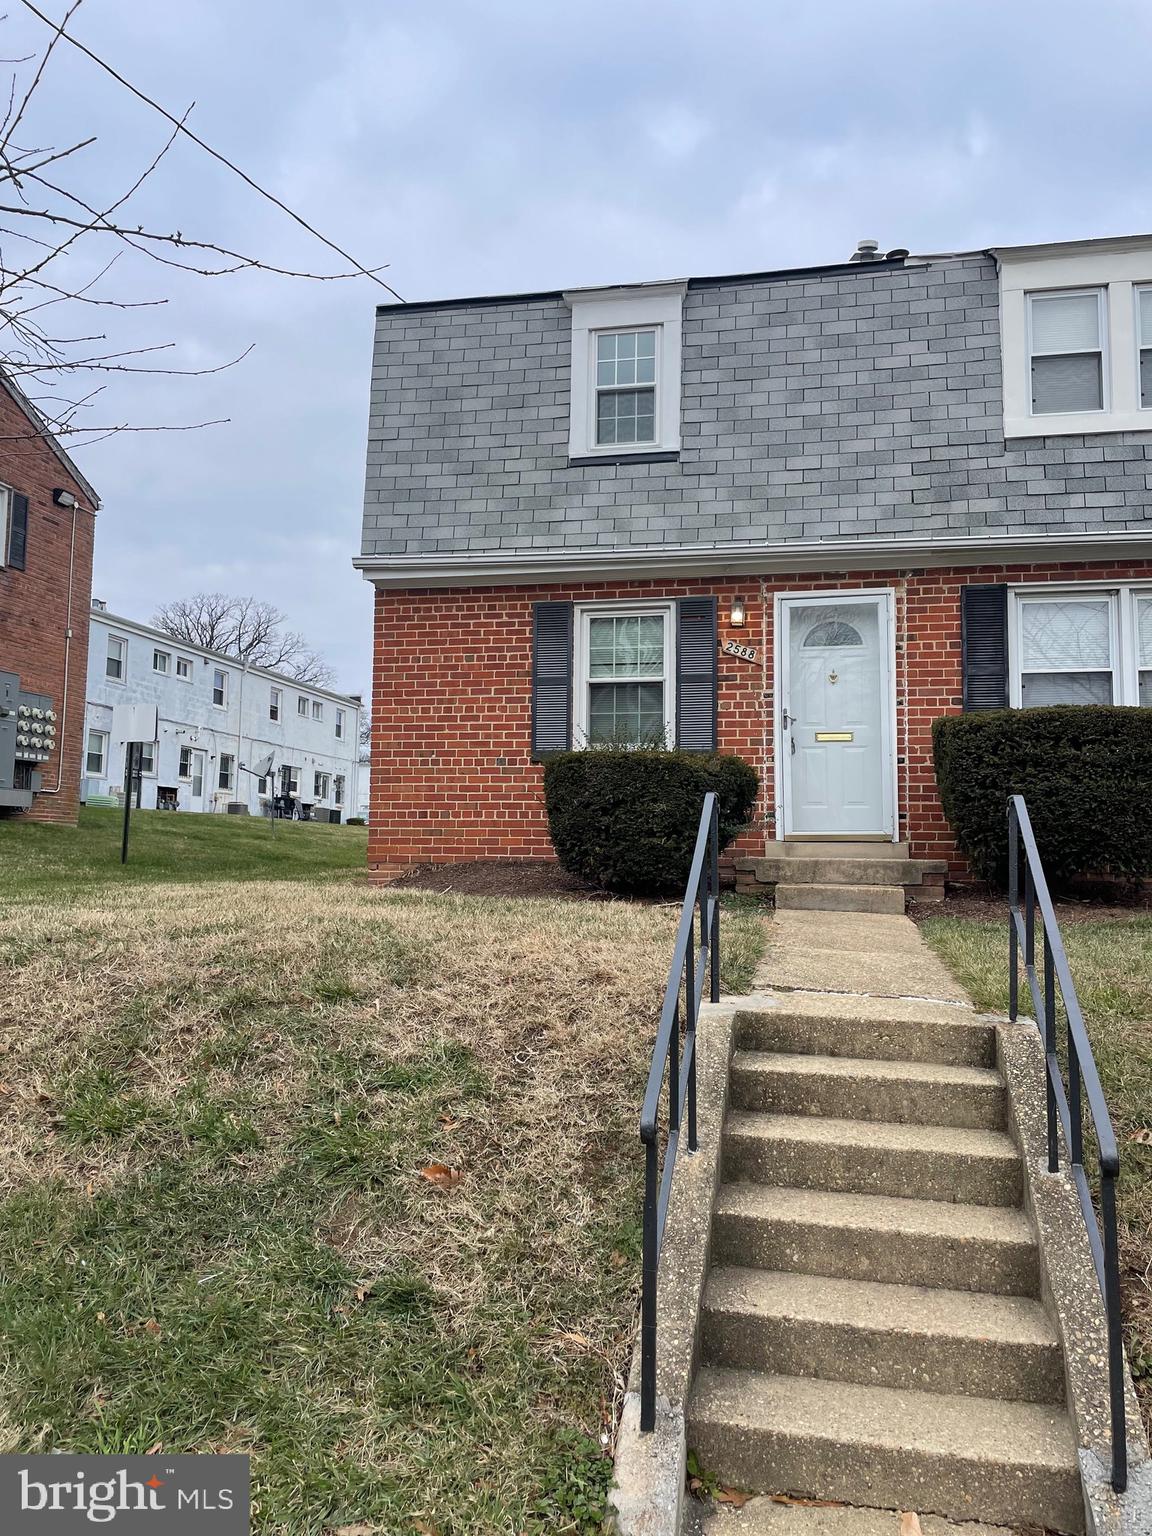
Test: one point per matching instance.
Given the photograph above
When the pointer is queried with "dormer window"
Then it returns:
(626, 387)
(1067, 351)
(626, 345)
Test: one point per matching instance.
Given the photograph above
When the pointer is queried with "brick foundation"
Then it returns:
(34, 602)
(452, 778)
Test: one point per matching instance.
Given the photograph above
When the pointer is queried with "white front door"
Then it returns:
(835, 740)
(197, 786)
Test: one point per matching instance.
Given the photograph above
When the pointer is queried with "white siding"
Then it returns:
(189, 719)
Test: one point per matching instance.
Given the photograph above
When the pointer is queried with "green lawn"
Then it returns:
(167, 845)
(1111, 965)
(343, 1178)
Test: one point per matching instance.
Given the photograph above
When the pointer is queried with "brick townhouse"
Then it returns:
(47, 521)
(796, 515)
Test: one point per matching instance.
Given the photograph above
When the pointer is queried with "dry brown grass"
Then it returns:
(276, 1064)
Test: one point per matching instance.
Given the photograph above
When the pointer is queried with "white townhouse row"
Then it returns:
(216, 717)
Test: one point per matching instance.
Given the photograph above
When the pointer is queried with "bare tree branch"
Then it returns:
(247, 628)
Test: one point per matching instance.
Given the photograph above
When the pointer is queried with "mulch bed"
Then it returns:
(509, 877)
(979, 906)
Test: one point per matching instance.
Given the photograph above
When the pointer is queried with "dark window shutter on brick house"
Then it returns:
(696, 674)
(984, 646)
(551, 678)
(18, 532)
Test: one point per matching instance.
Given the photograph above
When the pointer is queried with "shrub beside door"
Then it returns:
(1085, 771)
(626, 819)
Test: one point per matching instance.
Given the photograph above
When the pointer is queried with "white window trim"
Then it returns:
(230, 759)
(180, 774)
(184, 677)
(584, 612)
(658, 307)
(105, 737)
(1101, 295)
(223, 673)
(341, 721)
(275, 702)
(1117, 269)
(317, 709)
(153, 772)
(167, 669)
(122, 680)
(302, 712)
(1141, 345)
(1123, 631)
(6, 494)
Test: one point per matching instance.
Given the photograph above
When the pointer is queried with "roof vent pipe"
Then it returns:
(866, 250)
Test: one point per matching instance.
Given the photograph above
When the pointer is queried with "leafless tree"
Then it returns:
(248, 629)
(53, 337)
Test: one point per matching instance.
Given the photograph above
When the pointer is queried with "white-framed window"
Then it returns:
(220, 688)
(626, 359)
(302, 706)
(289, 779)
(321, 783)
(162, 662)
(1081, 644)
(96, 754)
(262, 786)
(1074, 331)
(184, 668)
(340, 719)
(185, 763)
(1066, 351)
(1066, 648)
(317, 709)
(338, 789)
(623, 691)
(5, 521)
(147, 758)
(626, 388)
(227, 772)
(275, 700)
(1144, 345)
(116, 662)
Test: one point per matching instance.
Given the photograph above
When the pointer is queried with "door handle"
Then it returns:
(785, 719)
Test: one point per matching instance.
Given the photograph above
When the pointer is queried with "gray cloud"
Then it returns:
(505, 145)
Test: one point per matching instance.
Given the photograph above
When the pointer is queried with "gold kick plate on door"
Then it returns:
(835, 736)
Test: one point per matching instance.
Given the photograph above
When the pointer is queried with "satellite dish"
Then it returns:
(264, 767)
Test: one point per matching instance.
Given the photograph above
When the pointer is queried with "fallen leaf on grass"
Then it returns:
(910, 1524)
(441, 1175)
(153, 1327)
(357, 1530)
(1143, 1136)
(577, 1340)
(154, 1450)
(425, 1529)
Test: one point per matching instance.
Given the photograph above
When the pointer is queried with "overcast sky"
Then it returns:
(516, 144)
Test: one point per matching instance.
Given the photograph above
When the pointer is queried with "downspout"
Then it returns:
(62, 738)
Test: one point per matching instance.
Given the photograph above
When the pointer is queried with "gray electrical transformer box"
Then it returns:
(27, 739)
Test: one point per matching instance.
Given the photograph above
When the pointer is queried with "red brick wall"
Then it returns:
(34, 602)
(452, 778)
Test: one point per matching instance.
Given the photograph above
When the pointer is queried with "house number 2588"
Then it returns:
(745, 652)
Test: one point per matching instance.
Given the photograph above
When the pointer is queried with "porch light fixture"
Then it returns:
(63, 498)
(737, 614)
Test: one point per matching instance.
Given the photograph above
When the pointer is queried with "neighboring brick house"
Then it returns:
(47, 520)
(797, 515)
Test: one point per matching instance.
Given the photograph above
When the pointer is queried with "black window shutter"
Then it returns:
(18, 532)
(551, 678)
(984, 646)
(696, 674)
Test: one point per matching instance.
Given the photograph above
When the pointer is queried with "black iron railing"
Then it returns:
(1066, 1104)
(695, 963)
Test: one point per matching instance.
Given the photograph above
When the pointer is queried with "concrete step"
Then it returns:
(829, 869)
(793, 896)
(966, 1458)
(830, 848)
(906, 1336)
(879, 1029)
(767, 1516)
(869, 1157)
(875, 1237)
(902, 1092)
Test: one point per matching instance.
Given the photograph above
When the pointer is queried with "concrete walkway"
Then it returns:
(865, 953)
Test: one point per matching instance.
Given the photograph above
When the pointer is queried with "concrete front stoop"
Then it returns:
(839, 876)
(894, 1306)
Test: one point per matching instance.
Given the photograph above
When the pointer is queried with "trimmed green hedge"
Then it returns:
(1085, 771)
(627, 819)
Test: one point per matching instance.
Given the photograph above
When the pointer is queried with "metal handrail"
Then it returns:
(695, 959)
(1065, 1105)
